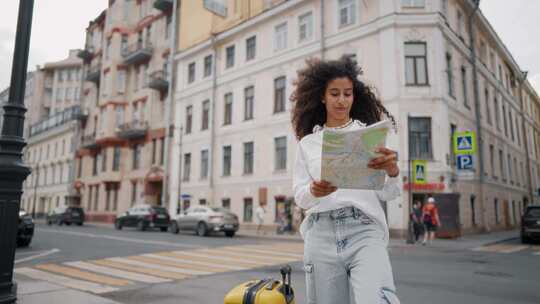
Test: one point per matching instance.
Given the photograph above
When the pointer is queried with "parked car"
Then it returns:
(204, 220)
(530, 224)
(143, 217)
(25, 230)
(66, 215)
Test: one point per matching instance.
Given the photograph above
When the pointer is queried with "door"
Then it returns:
(448, 206)
(506, 210)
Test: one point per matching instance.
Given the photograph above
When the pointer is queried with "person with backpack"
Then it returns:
(430, 217)
(416, 220)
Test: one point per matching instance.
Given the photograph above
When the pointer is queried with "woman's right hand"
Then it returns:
(321, 188)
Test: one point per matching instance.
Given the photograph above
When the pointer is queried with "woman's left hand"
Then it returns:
(387, 162)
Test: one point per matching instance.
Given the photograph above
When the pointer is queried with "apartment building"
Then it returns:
(52, 98)
(235, 71)
(120, 158)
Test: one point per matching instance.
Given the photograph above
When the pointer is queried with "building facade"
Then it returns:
(235, 71)
(53, 102)
(120, 159)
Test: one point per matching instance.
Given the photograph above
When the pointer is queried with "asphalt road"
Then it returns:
(443, 273)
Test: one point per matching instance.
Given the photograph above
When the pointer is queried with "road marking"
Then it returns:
(270, 251)
(204, 257)
(501, 248)
(49, 252)
(287, 247)
(64, 281)
(139, 269)
(249, 256)
(138, 263)
(175, 257)
(183, 263)
(183, 267)
(117, 273)
(83, 275)
(123, 239)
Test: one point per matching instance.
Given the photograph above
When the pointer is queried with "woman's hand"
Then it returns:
(321, 188)
(387, 162)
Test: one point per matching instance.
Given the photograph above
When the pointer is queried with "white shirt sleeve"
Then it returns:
(302, 181)
(390, 190)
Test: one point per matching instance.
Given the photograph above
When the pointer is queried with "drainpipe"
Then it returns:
(213, 118)
(521, 80)
(165, 197)
(477, 112)
(322, 29)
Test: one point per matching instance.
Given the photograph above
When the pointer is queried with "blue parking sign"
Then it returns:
(465, 162)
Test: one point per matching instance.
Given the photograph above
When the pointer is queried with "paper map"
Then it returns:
(345, 155)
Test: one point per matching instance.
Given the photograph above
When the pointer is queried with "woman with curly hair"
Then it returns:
(345, 233)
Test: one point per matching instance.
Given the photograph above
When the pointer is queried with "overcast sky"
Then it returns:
(58, 25)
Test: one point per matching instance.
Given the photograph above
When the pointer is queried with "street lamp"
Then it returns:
(12, 170)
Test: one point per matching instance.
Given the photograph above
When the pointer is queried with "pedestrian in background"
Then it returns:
(259, 216)
(430, 217)
(416, 219)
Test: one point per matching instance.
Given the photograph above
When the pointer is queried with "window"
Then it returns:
(115, 196)
(505, 124)
(191, 72)
(227, 113)
(501, 165)
(248, 209)
(453, 129)
(227, 160)
(116, 159)
(121, 82)
(305, 27)
(517, 131)
(280, 144)
(279, 94)
(347, 12)
(119, 113)
(492, 161)
(189, 119)
(249, 93)
(79, 169)
(445, 8)
(89, 206)
(280, 37)
(168, 26)
(460, 24)
(229, 54)
(226, 203)
(124, 44)
(133, 192)
(202, 202)
(59, 94)
(517, 174)
(248, 157)
(162, 151)
(104, 160)
(420, 137)
(207, 65)
(205, 114)
(251, 48)
(95, 165)
(511, 123)
(136, 161)
(450, 74)
(497, 112)
(496, 209)
(488, 111)
(473, 210)
(204, 164)
(96, 197)
(413, 3)
(187, 167)
(510, 173)
(154, 144)
(415, 63)
(464, 86)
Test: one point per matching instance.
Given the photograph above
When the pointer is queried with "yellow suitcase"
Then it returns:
(266, 291)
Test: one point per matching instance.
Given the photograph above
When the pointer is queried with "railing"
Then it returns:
(89, 140)
(94, 73)
(86, 54)
(215, 7)
(132, 130)
(56, 120)
(163, 5)
(137, 52)
(158, 80)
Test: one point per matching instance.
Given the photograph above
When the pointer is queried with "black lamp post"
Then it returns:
(12, 170)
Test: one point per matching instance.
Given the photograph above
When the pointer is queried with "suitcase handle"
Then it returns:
(286, 278)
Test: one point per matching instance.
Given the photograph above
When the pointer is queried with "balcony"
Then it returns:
(89, 141)
(55, 120)
(132, 130)
(158, 81)
(94, 73)
(137, 53)
(86, 54)
(163, 5)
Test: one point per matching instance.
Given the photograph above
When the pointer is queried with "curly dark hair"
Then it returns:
(311, 84)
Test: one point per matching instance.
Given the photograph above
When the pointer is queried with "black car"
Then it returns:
(66, 215)
(144, 217)
(25, 230)
(530, 224)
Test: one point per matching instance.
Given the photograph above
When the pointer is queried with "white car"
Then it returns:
(205, 220)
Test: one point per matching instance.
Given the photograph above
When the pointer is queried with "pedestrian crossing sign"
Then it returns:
(464, 142)
(419, 172)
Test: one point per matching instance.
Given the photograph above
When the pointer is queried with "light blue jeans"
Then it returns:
(346, 259)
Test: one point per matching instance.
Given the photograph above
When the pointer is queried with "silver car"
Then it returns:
(205, 220)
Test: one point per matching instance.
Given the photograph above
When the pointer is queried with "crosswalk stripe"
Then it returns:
(183, 263)
(501, 248)
(515, 248)
(135, 262)
(64, 281)
(188, 260)
(139, 269)
(117, 273)
(269, 251)
(249, 256)
(221, 258)
(194, 269)
(285, 247)
(84, 275)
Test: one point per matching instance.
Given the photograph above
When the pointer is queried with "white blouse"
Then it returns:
(308, 168)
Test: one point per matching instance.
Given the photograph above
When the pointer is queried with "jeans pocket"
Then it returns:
(310, 283)
(389, 297)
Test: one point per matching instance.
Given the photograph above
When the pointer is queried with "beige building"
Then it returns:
(234, 72)
(51, 126)
(120, 160)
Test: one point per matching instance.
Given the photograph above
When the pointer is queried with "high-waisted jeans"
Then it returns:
(346, 259)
